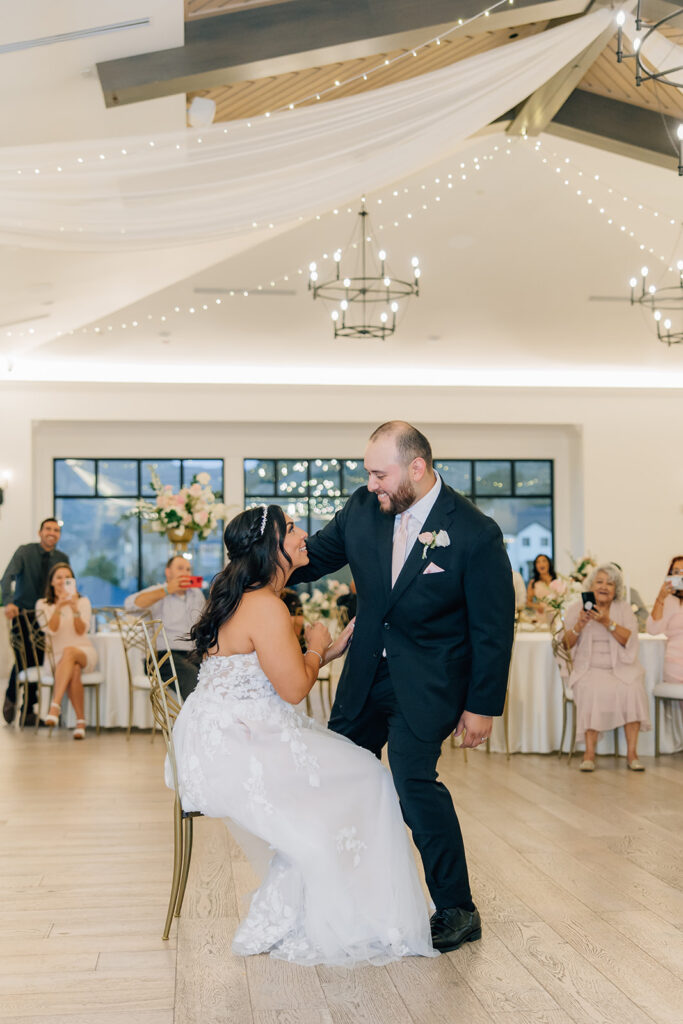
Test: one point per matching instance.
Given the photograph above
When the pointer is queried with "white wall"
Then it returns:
(618, 475)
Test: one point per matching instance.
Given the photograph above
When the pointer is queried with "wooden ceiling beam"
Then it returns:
(260, 42)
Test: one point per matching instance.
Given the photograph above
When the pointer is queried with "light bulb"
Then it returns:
(621, 18)
(312, 266)
(384, 318)
(344, 304)
(633, 282)
(387, 282)
(680, 264)
(644, 271)
(667, 324)
(394, 307)
(382, 255)
(314, 275)
(652, 289)
(347, 282)
(337, 256)
(335, 315)
(417, 271)
(658, 315)
(415, 262)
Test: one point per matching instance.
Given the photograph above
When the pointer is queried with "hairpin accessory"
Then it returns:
(263, 520)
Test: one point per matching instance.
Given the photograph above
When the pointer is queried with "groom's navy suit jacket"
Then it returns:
(447, 635)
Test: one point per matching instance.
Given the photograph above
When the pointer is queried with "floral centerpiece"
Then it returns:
(322, 604)
(194, 509)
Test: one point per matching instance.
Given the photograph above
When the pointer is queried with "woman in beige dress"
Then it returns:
(606, 680)
(65, 617)
(539, 587)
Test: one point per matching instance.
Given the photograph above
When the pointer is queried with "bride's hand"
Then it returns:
(336, 649)
(317, 638)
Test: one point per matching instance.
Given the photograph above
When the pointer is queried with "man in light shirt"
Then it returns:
(178, 605)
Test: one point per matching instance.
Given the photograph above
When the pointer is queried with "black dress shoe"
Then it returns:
(453, 926)
(8, 711)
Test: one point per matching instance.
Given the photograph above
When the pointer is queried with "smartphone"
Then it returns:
(675, 581)
(195, 581)
(588, 600)
(70, 586)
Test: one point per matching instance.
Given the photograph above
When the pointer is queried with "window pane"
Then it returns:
(532, 477)
(526, 525)
(492, 477)
(259, 476)
(292, 476)
(325, 477)
(117, 476)
(214, 467)
(168, 470)
(322, 510)
(457, 475)
(206, 556)
(354, 475)
(102, 549)
(74, 476)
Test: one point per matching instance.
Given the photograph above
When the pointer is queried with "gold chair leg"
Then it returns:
(506, 729)
(97, 711)
(131, 704)
(658, 711)
(187, 856)
(177, 865)
(24, 705)
(564, 725)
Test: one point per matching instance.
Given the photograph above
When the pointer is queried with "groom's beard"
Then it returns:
(402, 499)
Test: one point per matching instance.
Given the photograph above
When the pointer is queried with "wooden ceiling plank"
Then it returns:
(255, 43)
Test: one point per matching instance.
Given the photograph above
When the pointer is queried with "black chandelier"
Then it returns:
(662, 302)
(367, 299)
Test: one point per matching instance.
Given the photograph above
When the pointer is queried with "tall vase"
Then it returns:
(180, 537)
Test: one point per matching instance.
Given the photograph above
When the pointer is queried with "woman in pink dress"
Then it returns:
(606, 680)
(667, 618)
(65, 617)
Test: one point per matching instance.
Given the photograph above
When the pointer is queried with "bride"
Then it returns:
(341, 886)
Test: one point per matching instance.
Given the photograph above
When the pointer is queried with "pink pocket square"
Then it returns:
(432, 568)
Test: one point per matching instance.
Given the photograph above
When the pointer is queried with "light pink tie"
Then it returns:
(398, 555)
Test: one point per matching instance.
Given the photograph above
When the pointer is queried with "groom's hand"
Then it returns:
(477, 728)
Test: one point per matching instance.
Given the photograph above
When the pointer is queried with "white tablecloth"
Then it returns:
(535, 701)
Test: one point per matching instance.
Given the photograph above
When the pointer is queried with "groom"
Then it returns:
(431, 645)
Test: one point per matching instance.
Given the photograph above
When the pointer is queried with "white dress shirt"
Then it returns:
(418, 514)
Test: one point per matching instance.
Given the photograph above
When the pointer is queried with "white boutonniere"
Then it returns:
(433, 539)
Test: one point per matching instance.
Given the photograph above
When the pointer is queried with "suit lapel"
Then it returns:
(438, 519)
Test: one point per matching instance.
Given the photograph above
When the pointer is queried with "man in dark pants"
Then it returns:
(431, 646)
(178, 605)
(28, 569)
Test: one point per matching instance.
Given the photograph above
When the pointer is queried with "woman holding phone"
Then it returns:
(65, 617)
(606, 680)
(667, 618)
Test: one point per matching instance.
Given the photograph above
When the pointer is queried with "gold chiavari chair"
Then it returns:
(506, 708)
(135, 652)
(42, 646)
(166, 704)
(29, 646)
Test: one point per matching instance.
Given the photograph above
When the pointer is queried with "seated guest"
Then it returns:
(606, 679)
(347, 604)
(667, 618)
(178, 605)
(520, 591)
(539, 585)
(65, 618)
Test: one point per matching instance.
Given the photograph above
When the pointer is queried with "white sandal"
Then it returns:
(52, 720)
(79, 731)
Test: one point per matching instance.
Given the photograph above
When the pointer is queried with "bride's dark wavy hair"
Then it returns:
(255, 548)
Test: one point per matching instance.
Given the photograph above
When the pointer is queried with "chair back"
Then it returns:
(38, 644)
(132, 637)
(106, 613)
(165, 703)
(17, 628)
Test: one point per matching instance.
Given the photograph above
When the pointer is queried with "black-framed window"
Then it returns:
(113, 557)
(517, 493)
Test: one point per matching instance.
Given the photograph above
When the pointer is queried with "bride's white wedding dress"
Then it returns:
(342, 886)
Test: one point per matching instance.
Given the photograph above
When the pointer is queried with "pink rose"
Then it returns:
(558, 587)
(179, 500)
(195, 490)
(201, 517)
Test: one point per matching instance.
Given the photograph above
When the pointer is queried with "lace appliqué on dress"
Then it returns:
(347, 839)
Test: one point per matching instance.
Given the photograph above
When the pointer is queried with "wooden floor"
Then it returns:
(578, 879)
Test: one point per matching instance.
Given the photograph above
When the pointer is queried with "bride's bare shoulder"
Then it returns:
(263, 602)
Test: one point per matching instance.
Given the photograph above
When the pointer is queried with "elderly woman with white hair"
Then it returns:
(606, 680)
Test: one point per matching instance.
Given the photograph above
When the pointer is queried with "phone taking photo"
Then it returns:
(588, 601)
(195, 581)
(70, 586)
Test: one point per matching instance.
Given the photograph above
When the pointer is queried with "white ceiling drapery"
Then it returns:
(152, 193)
